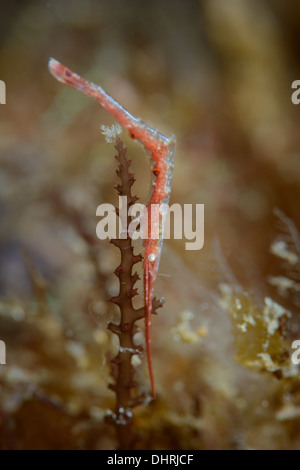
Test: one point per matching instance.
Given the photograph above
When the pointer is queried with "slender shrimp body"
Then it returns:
(161, 150)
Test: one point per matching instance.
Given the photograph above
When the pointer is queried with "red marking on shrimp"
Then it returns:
(161, 151)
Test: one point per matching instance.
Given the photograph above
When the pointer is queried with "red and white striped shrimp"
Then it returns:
(161, 150)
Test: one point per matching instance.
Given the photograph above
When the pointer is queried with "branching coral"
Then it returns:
(127, 394)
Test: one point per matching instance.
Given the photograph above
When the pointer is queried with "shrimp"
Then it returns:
(161, 151)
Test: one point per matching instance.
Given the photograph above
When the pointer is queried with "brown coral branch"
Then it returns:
(124, 385)
(123, 371)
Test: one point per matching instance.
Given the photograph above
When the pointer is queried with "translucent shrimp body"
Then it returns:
(161, 151)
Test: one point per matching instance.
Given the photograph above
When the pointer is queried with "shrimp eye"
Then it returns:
(155, 172)
(68, 74)
(132, 135)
